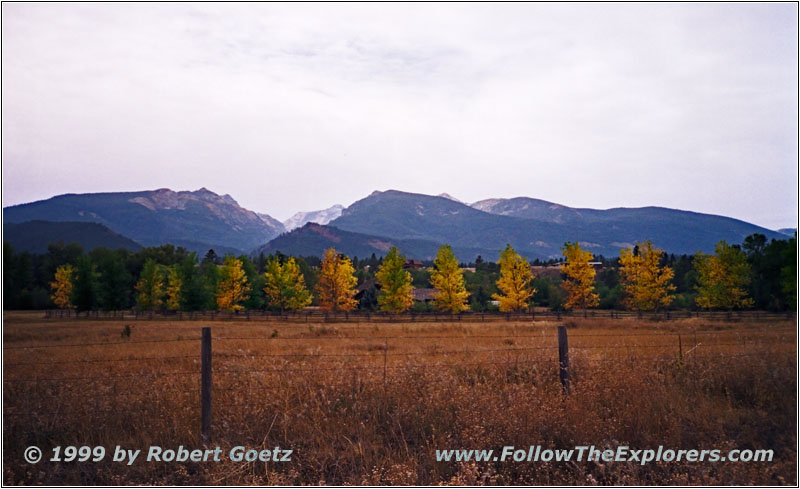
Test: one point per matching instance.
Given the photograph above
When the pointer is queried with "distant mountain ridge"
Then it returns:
(537, 228)
(198, 220)
(313, 239)
(416, 223)
(34, 236)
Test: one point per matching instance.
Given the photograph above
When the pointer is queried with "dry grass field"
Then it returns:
(370, 403)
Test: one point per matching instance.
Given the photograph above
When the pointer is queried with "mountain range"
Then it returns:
(197, 220)
(536, 228)
(416, 223)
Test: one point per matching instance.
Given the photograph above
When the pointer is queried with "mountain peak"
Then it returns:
(323, 216)
(445, 195)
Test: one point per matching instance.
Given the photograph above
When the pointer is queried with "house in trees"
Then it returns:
(366, 287)
(423, 295)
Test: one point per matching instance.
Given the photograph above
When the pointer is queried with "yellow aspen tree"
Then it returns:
(448, 280)
(62, 287)
(722, 278)
(284, 286)
(232, 288)
(579, 280)
(646, 285)
(396, 293)
(336, 286)
(150, 287)
(514, 282)
(174, 287)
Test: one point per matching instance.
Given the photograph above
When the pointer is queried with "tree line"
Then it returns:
(755, 274)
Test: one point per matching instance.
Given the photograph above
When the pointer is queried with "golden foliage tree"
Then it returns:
(336, 285)
(396, 293)
(579, 281)
(174, 287)
(62, 287)
(646, 284)
(284, 286)
(232, 288)
(722, 278)
(448, 280)
(150, 287)
(514, 282)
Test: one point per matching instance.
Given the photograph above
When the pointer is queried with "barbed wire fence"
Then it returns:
(675, 347)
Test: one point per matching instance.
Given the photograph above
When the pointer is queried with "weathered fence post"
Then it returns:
(205, 385)
(563, 359)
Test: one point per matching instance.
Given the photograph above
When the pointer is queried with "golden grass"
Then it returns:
(370, 403)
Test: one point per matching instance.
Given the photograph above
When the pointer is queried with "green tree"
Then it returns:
(84, 289)
(114, 281)
(194, 295)
(479, 299)
(284, 286)
(256, 298)
(209, 276)
(789, 273)
(722, 278)
(396, 294)
(150, 287)
(59, 254)
(10, 286)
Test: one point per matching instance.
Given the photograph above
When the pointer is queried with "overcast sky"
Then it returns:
(291, 107)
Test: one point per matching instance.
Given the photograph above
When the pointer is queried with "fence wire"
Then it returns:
(376, 374)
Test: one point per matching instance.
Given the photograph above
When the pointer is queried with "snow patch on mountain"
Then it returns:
(324, 216)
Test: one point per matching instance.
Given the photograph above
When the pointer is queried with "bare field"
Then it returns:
(370, 403)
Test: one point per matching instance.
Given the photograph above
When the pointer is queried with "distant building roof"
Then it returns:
(547, 271)
(367, 284)
(424, 295)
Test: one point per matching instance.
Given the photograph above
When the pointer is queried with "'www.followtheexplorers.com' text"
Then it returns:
(536, 453)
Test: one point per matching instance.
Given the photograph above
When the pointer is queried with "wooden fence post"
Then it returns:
(563, 359)
(205, 385)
